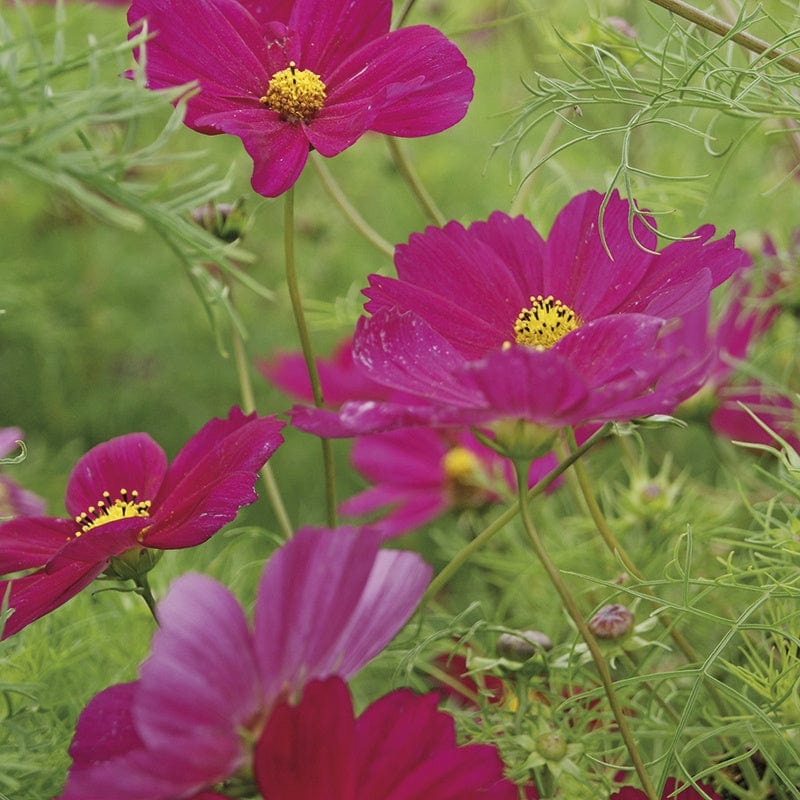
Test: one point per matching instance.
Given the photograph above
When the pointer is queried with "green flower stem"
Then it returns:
(722, 28)
(493, 528)
(572, 609)
(350, 212)
(248, 405)
(604, 529)
(448, 680)
(404, 12)
(403, 163)
(526, 187)
(144, 591)
(308, 354)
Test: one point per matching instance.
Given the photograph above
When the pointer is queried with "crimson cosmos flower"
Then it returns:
(400, 748)
(493, 322)
(286, 77)
(327, 603)
(123, 500)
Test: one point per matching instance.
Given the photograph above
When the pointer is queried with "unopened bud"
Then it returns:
(521, 646)
(611, 622)
(223, 220)
(551, 746)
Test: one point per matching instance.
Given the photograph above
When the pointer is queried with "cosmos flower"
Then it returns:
(746, 318)
(327, 603)
(417, 475)
(287, 77)
(401, 746)
(688, 792)
(14, 500)
(125, 503)
(493, 322)
(420, 475)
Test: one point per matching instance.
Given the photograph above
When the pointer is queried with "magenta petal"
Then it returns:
(330, 31)
(395, 349)
(9, 437)
(200, 686)
(266, 11)
(215, 43)
(314, 593)
(35, 595)
(105, 727)
(240, 442)
(31, 541)
(133, 462)
(279, 150)
(512, 383)
(407, 750)
(308, 751)
(578, 270)
(416, 78)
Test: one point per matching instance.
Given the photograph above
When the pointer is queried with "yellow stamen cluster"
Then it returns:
(464, 478)
(106, 510)
(546, 322)
(295, 94)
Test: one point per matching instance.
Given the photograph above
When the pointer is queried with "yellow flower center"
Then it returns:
(465, 480)
(295, 94)
(546, 322)
(106, 510)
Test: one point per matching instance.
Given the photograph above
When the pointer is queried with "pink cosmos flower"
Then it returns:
(424, 473)
(670, 793)
(124, 501)
(327, 603)
(286, 77)
(14, 500)
(492, 322)
(401, 746)
(745, 320)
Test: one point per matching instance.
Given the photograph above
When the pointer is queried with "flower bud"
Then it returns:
(521, 646)
(551, 746)
(223, 220)
(611, 622)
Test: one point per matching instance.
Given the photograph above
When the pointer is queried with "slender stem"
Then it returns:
(525, 189)
(248, 405)
(448, 680)
(403, 163)
(721, 28)
(349, 210)
(404, 12)
(572, 609)
(144, 591)
(493, 528)
(308, 354)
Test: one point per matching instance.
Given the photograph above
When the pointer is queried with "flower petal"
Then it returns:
(332, 30)
(200, 685)
(319, 611)
(211, 478)
(35, 595)
(216, 43)
(131, 462)
(415, 77)
(308, 751)
(31, 541)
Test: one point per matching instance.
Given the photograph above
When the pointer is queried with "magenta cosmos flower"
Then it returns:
(672, 791)
(328, 602)
(747, 317)
(123, 501)
(400, 748)
(14, 500)
(492, 322)
(286, 77)
(420, 475)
